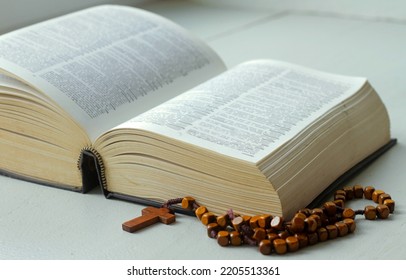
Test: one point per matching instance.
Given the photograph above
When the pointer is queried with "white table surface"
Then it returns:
(363, 38)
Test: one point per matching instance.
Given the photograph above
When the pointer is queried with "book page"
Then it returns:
(250, 110)
(107, 64)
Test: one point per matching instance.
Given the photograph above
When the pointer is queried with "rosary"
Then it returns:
(272, 234)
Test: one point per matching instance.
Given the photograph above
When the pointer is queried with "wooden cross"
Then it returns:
(150, 215)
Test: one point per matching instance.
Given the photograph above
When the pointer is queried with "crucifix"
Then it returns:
(150, 215)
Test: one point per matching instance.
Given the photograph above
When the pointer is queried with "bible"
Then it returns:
(123, 99)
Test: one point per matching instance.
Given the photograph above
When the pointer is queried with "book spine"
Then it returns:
(91, 165)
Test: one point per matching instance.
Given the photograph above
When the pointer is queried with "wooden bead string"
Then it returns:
(308, 226)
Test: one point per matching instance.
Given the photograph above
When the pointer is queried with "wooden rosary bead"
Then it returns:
(339, 203)
(188, 202)
(223, 220)
(322, 234)
(246, 218)
(297, 224)
(259, 234)
(311, 223)
(370, 212)
(292, 243)
(208, 218)
(272, 236)
(265, 247)
(313, 238)
(283, 234)
(348, 213)
(317, 218)
(342, 228)
(253, 222)
(200, 211)
(391, 204)
(358, 191)
(280, 246)
(264, 221)
(376, 194)
(212, 230)
(368, 192)
(317, 211)
(332, 231)
(350, 225)
(383, 197)
(330, 208)
(237, 222)
(306, 211)
(235, 238)
(303, 239)
(223, 238)
(277, 223)
(382, 211)
(300, 215)
(339, 197)
(339, 193)
(349, 192)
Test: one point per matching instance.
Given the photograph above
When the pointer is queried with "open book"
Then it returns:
(159, 116)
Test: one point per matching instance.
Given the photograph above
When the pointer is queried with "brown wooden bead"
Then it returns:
(280, 246)
(235, 238)
(368, 191)
(283, 234)
(292, 243)
(313, 238)
(340, 192)
(342, 228)
(311, 223)
(188, 202)
(382, 211)
(212, 230)
(306, 211)
(322, 234)
(272, 236)
(253, 222)
(237, 222)
(350, 224)
(332, 231)
(303, 239)
(376, 194)
(264, 221)
(277, 223)
(200, 211)
(297, 224)
(265, 247)
(339, 197)
(391, 204)
(246, 218)
(330, 208)
(223, 220)
(208, 218)
(317, 211)
(349, 192)
(339, 202)
(383, 197)
(348, 213)
(300, 215)
(358, 191)
(259, 234)
(317, 218)
(370, 212)
(223, 238)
